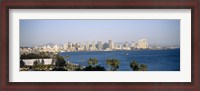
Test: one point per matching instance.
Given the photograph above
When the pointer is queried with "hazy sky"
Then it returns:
(39, 32)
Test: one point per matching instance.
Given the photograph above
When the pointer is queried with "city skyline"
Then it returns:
(99, 46)
(41, 32)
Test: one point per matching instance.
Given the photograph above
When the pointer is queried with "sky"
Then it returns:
(157, 32)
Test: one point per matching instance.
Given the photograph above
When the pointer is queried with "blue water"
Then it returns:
(156, 60)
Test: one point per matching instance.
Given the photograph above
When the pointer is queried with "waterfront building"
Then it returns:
(118, 47)
(126, 48)
(30, 62)
(126, 44)
(56, 48)
(105, 46)
(44, 47)
(77, 45)
(133, 44)
(142, 44)
(87, 46)
(111, 44)
(25, 50)
(100, 45)
(69, 44)
(70, 47)
(65, 46)
(93, 47)
(81, 47)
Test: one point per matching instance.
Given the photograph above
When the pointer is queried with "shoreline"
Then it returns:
(123, 50)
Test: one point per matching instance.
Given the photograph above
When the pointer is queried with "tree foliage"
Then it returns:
(95, 68)
(60, 61)
(35, 63)
(113, 63)
(22, 63)
(137, 67)
(42, 63)
(143, 67)
(34, 56)
(92, 61)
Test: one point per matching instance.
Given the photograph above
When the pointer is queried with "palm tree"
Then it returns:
(113, 63)
(42, 54)
(92, 61)
(135, 66)
(22, 63)
(42, 63)
(35, 64)
(143, 67)
(108, 62)
(60, 61)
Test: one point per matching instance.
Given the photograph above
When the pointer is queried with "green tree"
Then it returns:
(22, 63)
(113, 63)
(35, 63)
(29, 56)
(135, 66)
(42, 54)
(96, 68)
(42, 63)
(143, 67)
(92, 61)
(53, 61)
(60, 61)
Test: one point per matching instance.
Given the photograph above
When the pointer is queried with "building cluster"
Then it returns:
(93, 46)
(30, 62)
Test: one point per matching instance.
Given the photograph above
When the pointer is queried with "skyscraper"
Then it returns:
(87, 46)
(126, 44)
(65, 46)
(69, 44)
(105, 46)
(111, 44)
(142, 44)
(93, 47)
(100, 45)
(133, 44)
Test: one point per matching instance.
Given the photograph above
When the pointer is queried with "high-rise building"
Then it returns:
(65, 46)
(111, 44)
(44, 47)
(100, 45)
(69, 44)
(126, 44)
(142, 44)
(87, 46)
(118, 47)
(48, 47)
(105, 46)
(133, 44)
(93, 48)
(56, 48)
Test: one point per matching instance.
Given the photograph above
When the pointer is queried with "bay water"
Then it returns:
(156, 60)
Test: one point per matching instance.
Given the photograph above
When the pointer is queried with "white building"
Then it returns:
(29, 62)
(93, 47)
(100, 45)
(142, 44)
(111, 44)
(87, 46)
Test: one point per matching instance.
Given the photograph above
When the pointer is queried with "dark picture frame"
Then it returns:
(103, 4)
